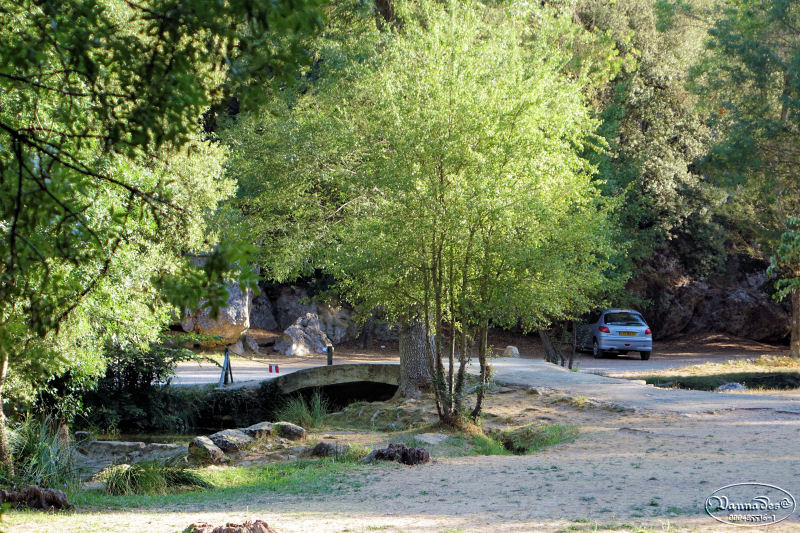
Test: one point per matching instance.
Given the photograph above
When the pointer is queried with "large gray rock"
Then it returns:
(262, 313)
(291, 304)
(203, 450)
(304, 337)
(731, 387)
(511, 351)
(337, 322)
(258, 431)
(233, 319)
(92, 456)
(288, 430)
(250, 344)
(231, 440)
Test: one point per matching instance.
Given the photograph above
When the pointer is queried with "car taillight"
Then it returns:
(648, 332)
(604, 329)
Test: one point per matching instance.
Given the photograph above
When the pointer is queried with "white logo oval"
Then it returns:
(750, 504)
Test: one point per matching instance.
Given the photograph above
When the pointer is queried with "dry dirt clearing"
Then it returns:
(626, 471)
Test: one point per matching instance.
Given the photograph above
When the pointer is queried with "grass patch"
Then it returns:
(534, 437)
(152, 477)
(40, 456)
(485, 445)
(312, 476)
(307, 413)
(764, 373)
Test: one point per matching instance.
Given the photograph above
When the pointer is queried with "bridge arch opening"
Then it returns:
(340, 395)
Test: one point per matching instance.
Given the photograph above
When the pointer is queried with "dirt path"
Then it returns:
(630, 394)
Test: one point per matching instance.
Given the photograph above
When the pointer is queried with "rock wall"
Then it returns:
(232, 322)
(736, 302)
(279, 306)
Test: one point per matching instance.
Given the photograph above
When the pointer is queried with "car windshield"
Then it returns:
(624, 318)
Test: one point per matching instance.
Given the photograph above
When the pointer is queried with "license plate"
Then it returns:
(628, 333)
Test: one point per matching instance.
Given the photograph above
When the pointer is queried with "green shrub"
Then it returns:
(40, 456)
(534, 437)
(306, 413)
(353, 454)
(151, 477)
(134, 394)
(484, 445)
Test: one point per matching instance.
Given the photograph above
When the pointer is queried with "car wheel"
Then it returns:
(645, 355)
(596, 351)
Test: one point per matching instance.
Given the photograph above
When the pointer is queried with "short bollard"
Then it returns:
(329, 349)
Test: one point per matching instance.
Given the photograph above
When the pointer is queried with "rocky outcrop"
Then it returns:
(262, 313)
(737, 302)
(337, 322)
(233, 319)
(204, 451)
(304, 337)
(292, 303)
(250, 344)
(93, 456)
(231, 440)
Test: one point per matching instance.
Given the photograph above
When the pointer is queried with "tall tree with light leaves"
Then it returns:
(104, 184)
(447, 165)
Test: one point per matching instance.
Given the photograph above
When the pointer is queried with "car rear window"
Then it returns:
(625, 318)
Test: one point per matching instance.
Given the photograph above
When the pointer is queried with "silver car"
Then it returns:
(616, 330)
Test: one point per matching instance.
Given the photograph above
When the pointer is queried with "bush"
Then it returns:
(306, 413)
(151, 477)
(134, 395)
(483, 445)
(41, 456)
(534, 437)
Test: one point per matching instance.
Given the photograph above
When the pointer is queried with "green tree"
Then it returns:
(656, 133)
(103, 183)
(446, 163)
(749, 82)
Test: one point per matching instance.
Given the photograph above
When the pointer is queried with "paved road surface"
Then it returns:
(626, 393)
(247, 372)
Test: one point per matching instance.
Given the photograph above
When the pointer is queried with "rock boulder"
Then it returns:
(262, 313)
(288, 430)
(203, 450)
(258, 431)
(231, 440)
(511, 351)
(291, 304)
(233, 319)
(304, 337)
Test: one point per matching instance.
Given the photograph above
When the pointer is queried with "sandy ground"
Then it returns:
(626, 470)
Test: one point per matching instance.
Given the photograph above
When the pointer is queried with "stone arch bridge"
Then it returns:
(383, 374)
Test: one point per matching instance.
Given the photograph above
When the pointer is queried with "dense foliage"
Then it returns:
(466, 164)
(438, 174)
(105, 184)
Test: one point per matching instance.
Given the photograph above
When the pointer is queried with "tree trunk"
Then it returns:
(574, 344)
(5, 449)
(551, 355)
(483, 334)
(414, 365)
(795, 342)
